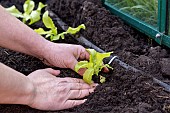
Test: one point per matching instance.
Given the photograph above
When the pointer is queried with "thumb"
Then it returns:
(52, 71)
(73, 64)
(73, 103)
(80, 71)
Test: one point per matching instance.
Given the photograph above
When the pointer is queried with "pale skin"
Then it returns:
(41, 89)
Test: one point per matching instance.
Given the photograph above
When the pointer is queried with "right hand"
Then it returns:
(66, 56)
(54, 93)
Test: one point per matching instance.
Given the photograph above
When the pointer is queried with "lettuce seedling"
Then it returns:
(52, 33)
(29, 13)
(102, 79)
(94, 65)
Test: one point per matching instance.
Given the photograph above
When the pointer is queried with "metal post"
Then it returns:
(168, 18)
(162, 11)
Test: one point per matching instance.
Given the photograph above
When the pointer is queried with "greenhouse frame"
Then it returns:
(148, 16)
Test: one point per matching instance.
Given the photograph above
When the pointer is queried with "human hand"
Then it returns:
(54, 93)
(66, 56)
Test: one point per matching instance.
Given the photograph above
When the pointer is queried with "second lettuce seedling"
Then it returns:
(52, 33)
(94, 65)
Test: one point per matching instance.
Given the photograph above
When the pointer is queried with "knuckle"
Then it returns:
(80, 49)
(79, 46)
(79, 85)
(79, 94)
(76, 80)
(74, 103)
(61, 90)
(63, 87)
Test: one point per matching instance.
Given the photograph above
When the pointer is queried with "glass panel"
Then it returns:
(145, 10)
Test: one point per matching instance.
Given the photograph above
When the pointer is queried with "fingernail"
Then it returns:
(94, 85)
(84, 100)
(106, 70)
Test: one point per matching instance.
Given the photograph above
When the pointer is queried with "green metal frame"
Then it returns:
(162, 15)
(168, 18)
(160, 34)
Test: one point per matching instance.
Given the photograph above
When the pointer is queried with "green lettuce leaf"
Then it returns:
(73, 31)
(83, 64)
(41, 31)
(14, 11)
(87, 76)
(57, 37)
(35, 15)
(52, 33)
(102, 79)
(95, 62)
(29, 13)
(28, 6)
(48, 22)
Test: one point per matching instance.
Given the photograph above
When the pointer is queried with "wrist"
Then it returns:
(22, 94)
(29, 94)
(15, 87)
(46, 53)
(26, 96)
(38, 47)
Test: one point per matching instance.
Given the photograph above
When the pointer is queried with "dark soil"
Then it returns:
(124, 91)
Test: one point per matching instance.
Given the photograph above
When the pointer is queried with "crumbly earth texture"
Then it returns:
(124, 91)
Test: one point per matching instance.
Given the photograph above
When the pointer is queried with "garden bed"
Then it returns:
(123, 91)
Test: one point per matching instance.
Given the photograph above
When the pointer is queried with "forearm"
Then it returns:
(15, 88)
(19, 37)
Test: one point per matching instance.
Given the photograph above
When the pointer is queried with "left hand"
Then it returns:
(55, 93)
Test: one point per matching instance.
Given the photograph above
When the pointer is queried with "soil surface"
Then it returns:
(124, 91)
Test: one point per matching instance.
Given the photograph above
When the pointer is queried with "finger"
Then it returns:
(79, 86)
(74, 62)
(81, 53)
(105, 69)
(78, 94)
(52, 71)
(81, 71)
(73, 80)
(84, 55)
(73, 103)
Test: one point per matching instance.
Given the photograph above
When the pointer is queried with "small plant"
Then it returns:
(94, 65)
(29, 13)
(52, 33)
